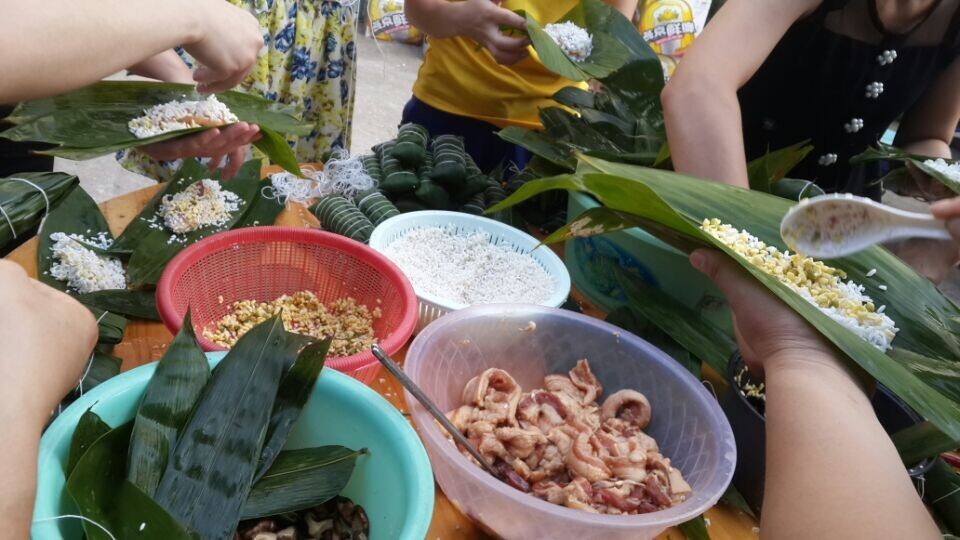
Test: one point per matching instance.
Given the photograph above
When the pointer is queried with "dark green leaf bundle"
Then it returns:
(92, 121)
(24, 202)
(375, 206)
(449, 160)
(411, 145)
(340, 215)
(371, 164)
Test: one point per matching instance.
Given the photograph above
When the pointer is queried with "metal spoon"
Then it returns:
(412, 387)
(830, 226)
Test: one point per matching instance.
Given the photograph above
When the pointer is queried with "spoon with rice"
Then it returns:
(837, 225)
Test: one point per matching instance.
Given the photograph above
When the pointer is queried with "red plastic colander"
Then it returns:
(263, 263)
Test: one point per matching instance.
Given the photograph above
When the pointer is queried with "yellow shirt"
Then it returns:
(459, 79)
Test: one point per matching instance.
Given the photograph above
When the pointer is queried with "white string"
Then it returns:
(285, 186)
(46, 201)
(71, 516)
(947, 496)
(921, 485)
(709, 386)
(90, 361)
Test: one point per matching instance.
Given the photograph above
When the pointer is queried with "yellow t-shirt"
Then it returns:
(459, 79)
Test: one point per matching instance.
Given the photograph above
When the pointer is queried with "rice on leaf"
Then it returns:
(181, 114)
(95, 121)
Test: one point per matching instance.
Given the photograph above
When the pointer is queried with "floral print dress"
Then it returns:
(308, 61)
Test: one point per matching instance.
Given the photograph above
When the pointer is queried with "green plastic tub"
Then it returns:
(393, 483)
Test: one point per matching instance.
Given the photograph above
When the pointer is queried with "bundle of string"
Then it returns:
(341, 175)
(46, 201)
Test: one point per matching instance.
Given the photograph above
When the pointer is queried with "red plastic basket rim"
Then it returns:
(173, 320)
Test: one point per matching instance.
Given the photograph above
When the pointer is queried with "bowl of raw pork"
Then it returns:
(455, 260)
(619, 436)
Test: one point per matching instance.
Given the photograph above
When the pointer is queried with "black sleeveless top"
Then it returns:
(840, 79)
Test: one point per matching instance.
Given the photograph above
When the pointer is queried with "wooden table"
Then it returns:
(145, 341)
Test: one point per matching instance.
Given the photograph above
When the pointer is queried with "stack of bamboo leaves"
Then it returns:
(205, 449)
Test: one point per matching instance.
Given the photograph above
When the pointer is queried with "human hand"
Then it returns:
(480, 20)
(920, 185)
(47, 338)
(231, 142)
(948, 210)
(227, 45)
(767, 330)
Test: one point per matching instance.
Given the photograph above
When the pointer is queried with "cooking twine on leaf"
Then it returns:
(46, 201)
(90, 361)
(71, 516)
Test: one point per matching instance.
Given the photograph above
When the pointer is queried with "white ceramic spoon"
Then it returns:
(831, 226)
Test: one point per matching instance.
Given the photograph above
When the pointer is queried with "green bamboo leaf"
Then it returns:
(103, 367)
(794, 189)
(136, 304)
(295, 389)
(101, 494)
(733, 498)
(928, 321)
(173, 391)
(158, 246)
(110, 325)
(92, 122)
(90, 427)
(767, 170)
(539, 144)
(682, 324)
(211, 469)
(76, 214)
(921, 441)
(301, 479)
(886, 152)
(616, 42)
(943, 493)
(695, 529)
(24, 205)
(276, 148)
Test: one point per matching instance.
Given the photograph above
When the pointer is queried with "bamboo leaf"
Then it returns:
(295, 389)
(276, 148)
(943, 493)
(103, 367)
(136, 304)
(921, 441)
(158, 246)
(886, 152)
(301, 479)
(767, 170)
(540, 145)
(92, 122)
(110, 325)
(733, 498)
(695, 529)
(24, 205)
(173, 391)
(686, 327)
(76, 214)
(928, 321)
(211, 469)
(89, 428)
(101, 494)
(794, 189)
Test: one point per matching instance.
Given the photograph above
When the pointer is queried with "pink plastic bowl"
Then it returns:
(687, 421)
(263, 263)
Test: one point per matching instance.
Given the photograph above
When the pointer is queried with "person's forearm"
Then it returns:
(436, 18)
(704, 130)
(166, 66)
(21, 429)
(929, 147)
(826, 455)
(61, 44)
(627, 7)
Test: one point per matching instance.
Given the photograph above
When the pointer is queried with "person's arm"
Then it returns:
(700, 103)
(479, 20)
(627, 7)
(831, 470)
(47, 338)
(96, 39)
(166, 66)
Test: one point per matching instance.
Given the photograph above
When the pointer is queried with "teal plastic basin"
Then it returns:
(394, 483)
(595, 262)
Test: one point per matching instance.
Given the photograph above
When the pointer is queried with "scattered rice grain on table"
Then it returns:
(467, 268)
(348, 322)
